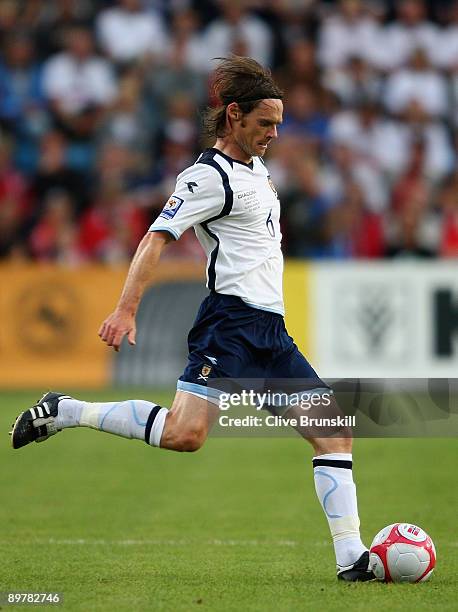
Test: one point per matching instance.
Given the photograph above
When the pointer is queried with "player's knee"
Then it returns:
(190, 440)
(325, 446)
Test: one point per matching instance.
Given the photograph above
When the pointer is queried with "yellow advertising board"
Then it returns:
(50, 316)
(297, 294)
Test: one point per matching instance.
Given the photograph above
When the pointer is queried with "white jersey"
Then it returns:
(235, 212)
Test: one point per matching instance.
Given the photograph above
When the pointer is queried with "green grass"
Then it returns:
(116, 525)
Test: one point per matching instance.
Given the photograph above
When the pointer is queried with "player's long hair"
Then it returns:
(237, 79)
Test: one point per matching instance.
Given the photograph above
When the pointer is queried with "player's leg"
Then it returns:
(188, 422)
(183, 428)
(336, 491)
(333, 468)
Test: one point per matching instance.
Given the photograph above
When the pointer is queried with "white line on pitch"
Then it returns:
(146, 542)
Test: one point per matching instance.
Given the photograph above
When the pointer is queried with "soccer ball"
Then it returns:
(402, 552)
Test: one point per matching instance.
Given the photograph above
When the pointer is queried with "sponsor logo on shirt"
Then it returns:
(172, 207)
(246, 194)
(191, 186)
(249, 200)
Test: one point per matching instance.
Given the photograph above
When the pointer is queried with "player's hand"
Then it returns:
(115, 327)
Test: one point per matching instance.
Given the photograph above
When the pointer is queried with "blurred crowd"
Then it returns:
(101, 105)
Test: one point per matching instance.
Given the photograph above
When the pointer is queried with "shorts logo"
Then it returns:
(172, 207)
(204, 373)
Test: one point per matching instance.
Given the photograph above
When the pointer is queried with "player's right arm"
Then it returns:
(121, 322)
(199, 195)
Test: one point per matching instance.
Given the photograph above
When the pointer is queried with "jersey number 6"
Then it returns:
(270, 224)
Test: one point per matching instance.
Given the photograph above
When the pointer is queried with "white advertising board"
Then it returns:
(385, 320)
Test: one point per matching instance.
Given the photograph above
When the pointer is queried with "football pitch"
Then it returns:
(113, 524)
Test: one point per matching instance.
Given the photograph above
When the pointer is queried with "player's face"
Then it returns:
(256, 129)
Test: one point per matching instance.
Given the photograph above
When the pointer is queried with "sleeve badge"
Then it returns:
(172, 207)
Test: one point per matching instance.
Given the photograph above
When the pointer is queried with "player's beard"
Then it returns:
(251, 150)
(246, 149)
(244, 144)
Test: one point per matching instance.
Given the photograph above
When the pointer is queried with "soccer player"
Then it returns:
(230, 200)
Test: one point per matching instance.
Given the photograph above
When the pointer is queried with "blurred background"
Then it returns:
(100, 109)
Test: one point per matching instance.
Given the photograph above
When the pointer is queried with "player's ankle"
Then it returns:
(348, 550)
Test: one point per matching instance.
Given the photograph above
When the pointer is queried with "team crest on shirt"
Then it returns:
(272, 186)
(204, 373)
(172, 207)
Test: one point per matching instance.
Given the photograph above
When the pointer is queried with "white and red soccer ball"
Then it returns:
(402, 552)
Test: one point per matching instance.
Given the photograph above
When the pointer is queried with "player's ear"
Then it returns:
(234, 112)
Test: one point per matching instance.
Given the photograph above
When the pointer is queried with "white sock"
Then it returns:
(130, 419)
(337, 494)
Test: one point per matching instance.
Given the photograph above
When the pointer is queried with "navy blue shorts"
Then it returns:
(232, 340)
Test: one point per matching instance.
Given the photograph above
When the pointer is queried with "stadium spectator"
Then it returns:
(9, 17)
(117, 164)
(185, 47)
(350, 31)
(129, 33)
(446, 53)
(300, 66)
(374, 137)
(352, 231)
(304, 116)
(78, 84)
(184, 73)
(417, 82)
(413, 230)
(237, 31)
(22, 104)
(130, 120)
(55, 175)
(292, 21)
(448, 202)
(52, 20)
(304, 208)
(344, 165)
(282, 157)
(412, 179)
(112, 227)
(409, 31)
(15, 204)
(54, 237)
(439, 156)
(354, 82)
(178, 140)
(11, 239)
